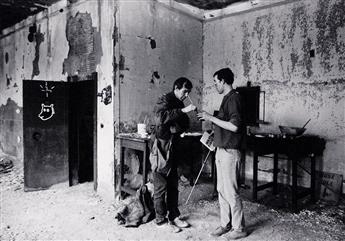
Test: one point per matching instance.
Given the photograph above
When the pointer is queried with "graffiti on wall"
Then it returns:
(47, 110)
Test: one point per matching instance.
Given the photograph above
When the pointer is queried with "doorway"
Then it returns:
(82, 130)
(59, 132)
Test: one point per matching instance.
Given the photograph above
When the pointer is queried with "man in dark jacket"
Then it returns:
(171, 121)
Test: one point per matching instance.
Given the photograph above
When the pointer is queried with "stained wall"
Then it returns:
(138, 48)
(295, 53)
(140, 59)
(157, 46)
(64, 40)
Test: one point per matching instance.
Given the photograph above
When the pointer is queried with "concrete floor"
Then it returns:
(78, 213)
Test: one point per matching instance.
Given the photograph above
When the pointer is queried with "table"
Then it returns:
(294, 148)
(133, 141)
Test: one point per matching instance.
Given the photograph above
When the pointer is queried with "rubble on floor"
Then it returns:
(12, 176)
(78, 213)
(6, 164)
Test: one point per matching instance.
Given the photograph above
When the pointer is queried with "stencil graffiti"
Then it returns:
(47, 112)
(46, 89)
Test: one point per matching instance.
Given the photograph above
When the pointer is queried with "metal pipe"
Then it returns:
(203, 164)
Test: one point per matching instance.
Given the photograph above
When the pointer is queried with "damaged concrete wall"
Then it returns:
(22, 48)
(65, 40)
(105, 112)
(296, 53)
(157, 46)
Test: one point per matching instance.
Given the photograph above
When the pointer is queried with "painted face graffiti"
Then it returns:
(47, 112)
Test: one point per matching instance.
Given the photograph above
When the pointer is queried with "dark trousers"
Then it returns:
(166, 195)
(182, 156)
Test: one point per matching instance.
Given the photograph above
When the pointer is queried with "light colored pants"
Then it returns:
(228, 168)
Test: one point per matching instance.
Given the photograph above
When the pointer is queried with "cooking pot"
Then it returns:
(291, 131)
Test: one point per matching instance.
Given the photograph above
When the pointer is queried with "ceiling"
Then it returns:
(14, 11)
(209, 4)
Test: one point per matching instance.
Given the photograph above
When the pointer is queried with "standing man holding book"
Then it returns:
(228, 137)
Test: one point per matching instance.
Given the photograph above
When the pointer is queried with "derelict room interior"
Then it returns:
(79, 81)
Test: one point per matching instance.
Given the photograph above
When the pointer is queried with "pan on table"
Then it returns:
(291, 131)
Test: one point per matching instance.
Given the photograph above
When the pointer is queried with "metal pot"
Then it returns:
(291, 131)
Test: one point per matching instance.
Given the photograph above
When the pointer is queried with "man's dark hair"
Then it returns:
(183, 82)
(226, 75)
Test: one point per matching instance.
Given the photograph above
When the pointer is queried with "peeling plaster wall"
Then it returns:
(154, 45)
(105, 114)
(27, 59)
(272, 48)
(157, 46)
(10, 124)
(70, 39)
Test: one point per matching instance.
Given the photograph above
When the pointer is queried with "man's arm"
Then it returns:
(167, 114)
(227, 125)
(235, 121)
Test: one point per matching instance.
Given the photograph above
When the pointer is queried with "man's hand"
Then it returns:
(173, 129)
(227, 125)
(189, 108)
(204, 116)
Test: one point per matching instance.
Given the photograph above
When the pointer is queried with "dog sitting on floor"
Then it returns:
(137, 209)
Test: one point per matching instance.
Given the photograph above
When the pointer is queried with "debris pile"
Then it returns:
(328, 218)
(11, 173)
(6, 165)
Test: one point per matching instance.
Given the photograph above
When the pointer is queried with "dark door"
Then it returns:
(45, 134)
(251, 102)
(82, 130)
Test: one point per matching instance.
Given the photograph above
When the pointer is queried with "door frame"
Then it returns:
(94, 77)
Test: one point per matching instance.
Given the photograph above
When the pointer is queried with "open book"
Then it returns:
(207, 140)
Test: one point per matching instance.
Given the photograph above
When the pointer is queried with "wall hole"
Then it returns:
(153, 43)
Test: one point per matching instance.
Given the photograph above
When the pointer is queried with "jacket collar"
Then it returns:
(231, 92)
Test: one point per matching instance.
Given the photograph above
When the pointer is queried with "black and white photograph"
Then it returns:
(172, 120)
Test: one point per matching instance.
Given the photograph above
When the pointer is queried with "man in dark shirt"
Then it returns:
(228, 135)
(171, 121)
